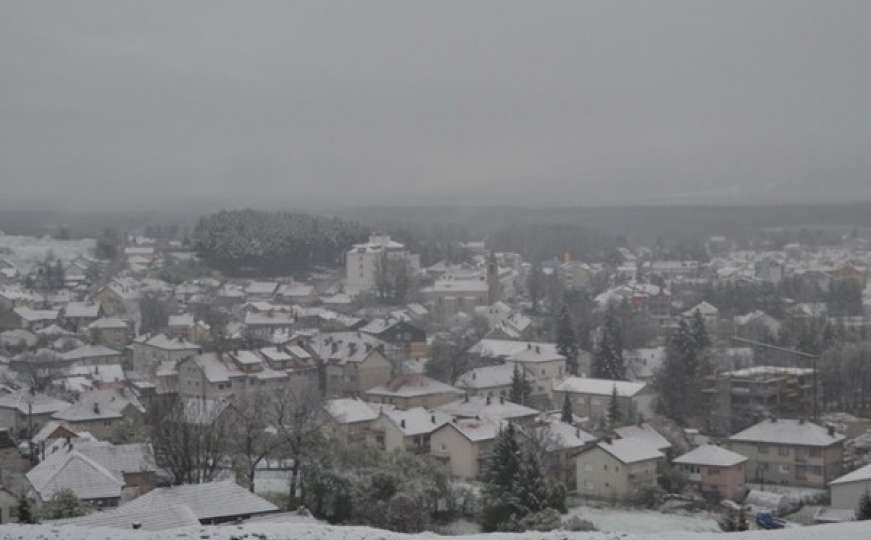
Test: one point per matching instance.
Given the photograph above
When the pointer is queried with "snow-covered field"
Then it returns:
(618, 520)
(847, 531)
(25, 252)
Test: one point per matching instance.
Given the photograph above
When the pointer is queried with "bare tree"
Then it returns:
(303, 434)
(39, 368)
(190, 437)
(263, 427)
(393, 279)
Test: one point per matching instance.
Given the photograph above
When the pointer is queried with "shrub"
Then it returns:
(63, 504)
(404, 514)
(647, 497)
(543, 521)
(578, 524)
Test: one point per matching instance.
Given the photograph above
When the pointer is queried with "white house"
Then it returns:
(848, 489)
(362, 260)
(617, 469)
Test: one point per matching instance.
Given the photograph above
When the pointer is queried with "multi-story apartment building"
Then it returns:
(737, 398)
(363, 260)
(792, 452)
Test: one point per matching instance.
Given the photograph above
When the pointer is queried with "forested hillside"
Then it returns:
(240, 241)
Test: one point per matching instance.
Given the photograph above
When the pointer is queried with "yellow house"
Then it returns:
(465, 445)
(616, 469)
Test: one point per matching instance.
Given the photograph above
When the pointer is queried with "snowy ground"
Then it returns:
(804, 494)
(619, 520)
(848, 531)
(28, 251)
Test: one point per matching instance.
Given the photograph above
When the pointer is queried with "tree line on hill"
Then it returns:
(277, 243)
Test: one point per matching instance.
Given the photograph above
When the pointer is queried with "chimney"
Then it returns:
(466, 398)
(831, 431)
(96, 408)
(773, 419)
(529, 346)
(432, 419)
(537, 349)
(402, 423)
(474, 375)
(488, 399)
(137, 525)
(801, 420)
(608, 439)
(501, 399)
(578, 433)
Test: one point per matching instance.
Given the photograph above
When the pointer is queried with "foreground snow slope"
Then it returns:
(846, 531)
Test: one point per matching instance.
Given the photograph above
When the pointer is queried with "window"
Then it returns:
(713, 471)
(588, 485)
(588, 467)
(783, 451)
(814, 452)
(763, 449)
(783, 468)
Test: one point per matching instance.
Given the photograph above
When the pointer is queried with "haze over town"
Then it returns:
(497, 270)
(284, 104)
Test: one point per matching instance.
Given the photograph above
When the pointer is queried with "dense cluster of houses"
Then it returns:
(75, 363)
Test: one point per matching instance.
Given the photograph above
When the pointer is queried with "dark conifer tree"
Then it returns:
(567, 414)
(566, 341)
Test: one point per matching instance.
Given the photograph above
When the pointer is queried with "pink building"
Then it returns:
(714, 470)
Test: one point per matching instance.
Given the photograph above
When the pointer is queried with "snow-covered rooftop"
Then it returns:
(645, 433)
(487, 377)
(859, 475)
(788, 432)
(417, 421)
(487, 407)
(413, 385)
(599, 387)
(350, 411)
(630, 450)
(313, 531)
(710, 455)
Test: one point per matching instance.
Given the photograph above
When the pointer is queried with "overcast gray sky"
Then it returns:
(337, 103)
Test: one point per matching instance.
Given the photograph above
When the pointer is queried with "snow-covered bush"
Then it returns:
(578, 524)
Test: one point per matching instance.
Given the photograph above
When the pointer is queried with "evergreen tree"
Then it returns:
(500, 499)
(566, 341)
(829, 338)
(567, 416)
(520, 387)
(679, 380)
(532, 490)
(608, 359)
(535, 286)
(58, 275)
(699, 331)
(614, 414)
(25, 512)
(863, 513)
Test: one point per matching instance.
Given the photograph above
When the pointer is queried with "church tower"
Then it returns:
(492, 279)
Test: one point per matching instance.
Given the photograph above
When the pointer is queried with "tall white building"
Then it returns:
(362, 260)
